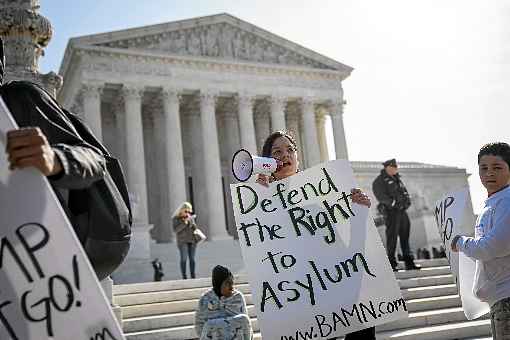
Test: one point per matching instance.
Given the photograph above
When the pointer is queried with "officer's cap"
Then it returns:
(390, 162)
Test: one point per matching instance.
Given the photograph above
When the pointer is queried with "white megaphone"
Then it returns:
(244, 165)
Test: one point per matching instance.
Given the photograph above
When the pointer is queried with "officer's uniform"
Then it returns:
(393, 201)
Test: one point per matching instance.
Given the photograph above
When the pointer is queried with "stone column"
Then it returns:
(310, 130)
(231, 145)
(195, 152)
(212, 167)
(92, 108)
(293, 118)
(320, 121)
(174, 156)
(262, 125)
(246, 125)
(135, 154)
(157, 189)
(277, 113)
(234, 131)
(337, 121)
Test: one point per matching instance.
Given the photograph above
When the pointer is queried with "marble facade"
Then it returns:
(174, 101)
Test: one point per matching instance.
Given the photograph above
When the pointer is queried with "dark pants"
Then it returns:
(364, 334)
(187, 250)
(398, 225)
(500, 320)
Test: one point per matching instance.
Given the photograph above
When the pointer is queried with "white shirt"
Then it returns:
(491, 248)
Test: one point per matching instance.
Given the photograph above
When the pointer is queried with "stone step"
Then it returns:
(181, 323)
(426, 281)
(168, 296)
(416, 278)
(433, 301)
(427, 318)
(148, 287)
(196, 293)
(165, 310)
(450, 330)
(445, 331)
(424, 272)
(416, 319)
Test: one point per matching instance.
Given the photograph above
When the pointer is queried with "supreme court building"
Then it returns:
(174, 101)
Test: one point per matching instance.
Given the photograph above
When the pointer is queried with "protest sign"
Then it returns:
(48, 289)
(449, 212)
(316, 264)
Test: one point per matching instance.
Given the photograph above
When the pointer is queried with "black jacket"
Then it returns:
(390, 191)
(97, 203)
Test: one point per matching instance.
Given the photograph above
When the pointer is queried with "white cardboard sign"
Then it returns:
(48, 289)
(449, 213)
(316, 264)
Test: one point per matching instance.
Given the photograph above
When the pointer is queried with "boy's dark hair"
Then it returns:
(268, 144)
(496, 149)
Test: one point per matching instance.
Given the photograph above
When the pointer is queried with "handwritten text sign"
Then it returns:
(316, 265)
(449, 213)
(48, 289)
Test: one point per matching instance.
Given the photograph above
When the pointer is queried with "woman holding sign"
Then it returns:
(282, 146)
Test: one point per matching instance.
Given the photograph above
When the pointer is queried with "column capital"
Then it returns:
(336, 107)
(209, 94)
(278, 100)
(245, 100)
(171, 94)
(92, 90)
(308, 105)
(132, 92)
(320, 116)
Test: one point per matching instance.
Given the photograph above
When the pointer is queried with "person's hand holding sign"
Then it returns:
(28, 147)
(360, 197)
(454, 243)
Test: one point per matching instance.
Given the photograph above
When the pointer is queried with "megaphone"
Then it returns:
(244, 165)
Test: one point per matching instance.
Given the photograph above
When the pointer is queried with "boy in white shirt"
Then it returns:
(491, 245)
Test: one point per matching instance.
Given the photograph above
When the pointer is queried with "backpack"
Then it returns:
(107, 203)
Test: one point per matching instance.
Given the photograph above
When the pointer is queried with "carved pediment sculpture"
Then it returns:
(218, 40)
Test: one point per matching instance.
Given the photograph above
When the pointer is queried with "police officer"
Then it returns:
(393, 202)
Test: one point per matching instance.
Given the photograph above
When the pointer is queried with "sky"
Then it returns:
(431, 79)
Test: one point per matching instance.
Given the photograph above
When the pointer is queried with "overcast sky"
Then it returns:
(431, 81)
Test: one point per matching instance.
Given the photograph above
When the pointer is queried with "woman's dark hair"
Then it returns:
(219, 275)
(268, 144)
(496, 149)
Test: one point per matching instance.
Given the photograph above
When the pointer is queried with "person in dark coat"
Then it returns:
(51, 139)
(394, 200)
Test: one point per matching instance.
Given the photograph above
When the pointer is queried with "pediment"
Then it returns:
(221, 36)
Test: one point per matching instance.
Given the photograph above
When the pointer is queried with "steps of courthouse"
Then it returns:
(166, 310)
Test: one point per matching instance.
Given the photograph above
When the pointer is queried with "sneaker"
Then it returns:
(412, 266)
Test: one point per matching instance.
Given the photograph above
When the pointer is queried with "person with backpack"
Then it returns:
(87, 180)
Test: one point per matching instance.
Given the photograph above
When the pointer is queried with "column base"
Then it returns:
(107, 286)
(140, 241)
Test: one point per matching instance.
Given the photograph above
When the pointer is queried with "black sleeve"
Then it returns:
(30, 105)
(381, 192)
